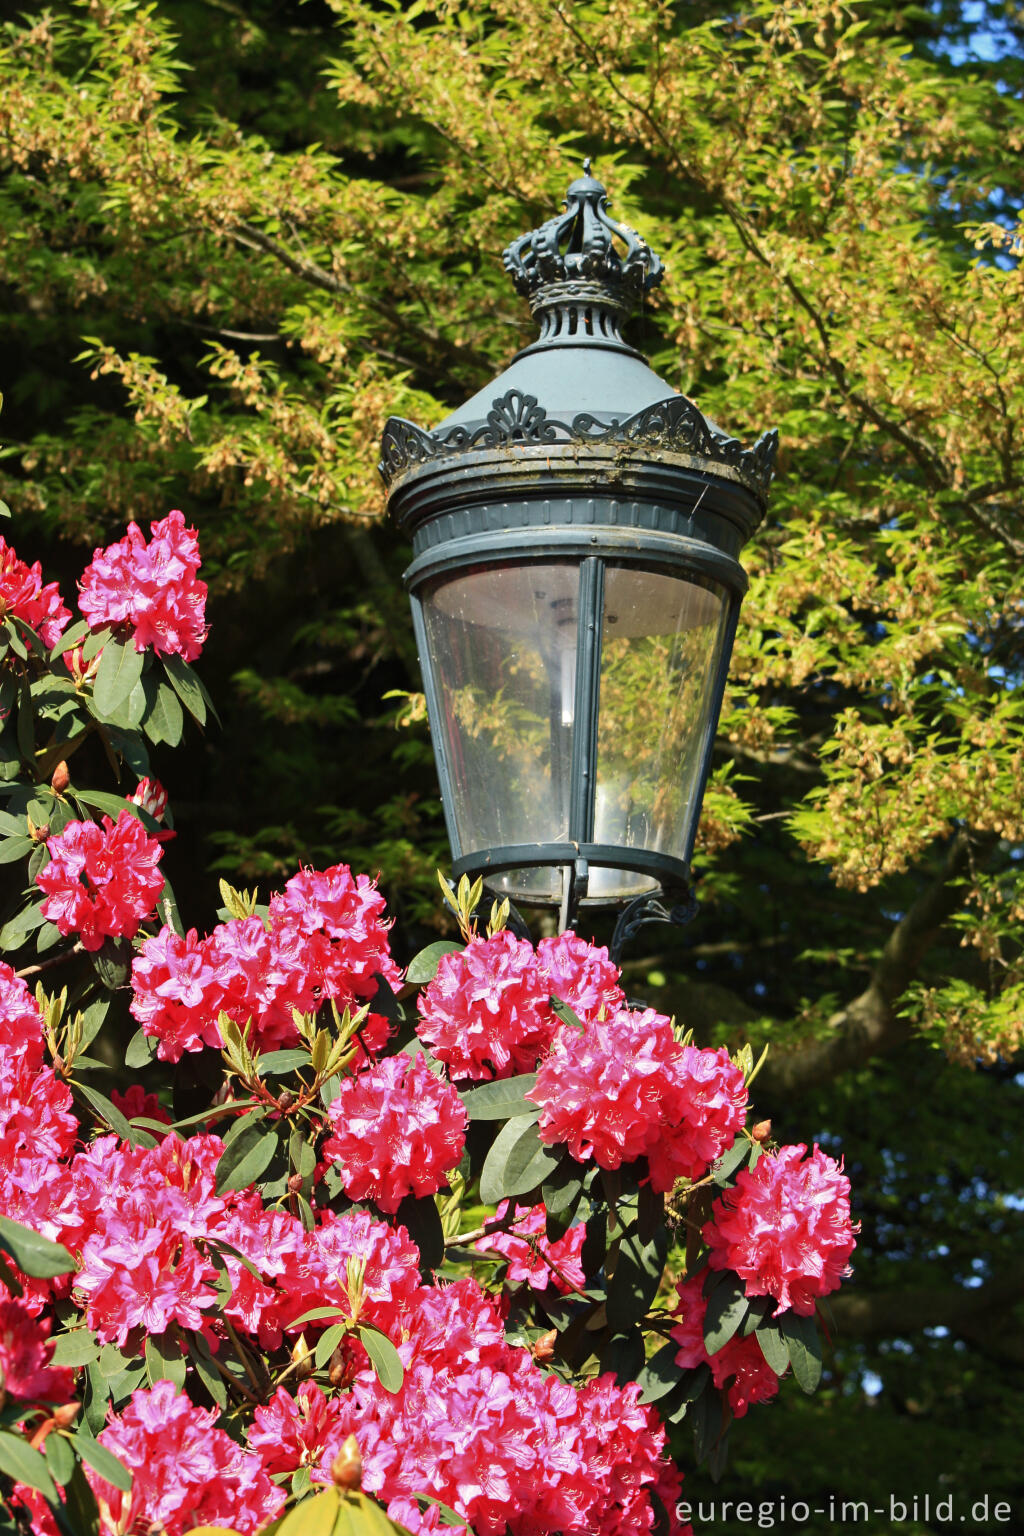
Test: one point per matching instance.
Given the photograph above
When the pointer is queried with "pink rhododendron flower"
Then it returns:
(739, 1363)
(37, 1126)
(23, 596)
(291, 1432)
(625, 1088)
(101, 881)
(398, 1130)
(487, 1012)
(326, 940)
(185, 1471)
(150, 586)
(150, 796)
(581, 975)
(478, 1425)
(785, 1228)
(175, 993)
(26, 1374)
(532, 1260)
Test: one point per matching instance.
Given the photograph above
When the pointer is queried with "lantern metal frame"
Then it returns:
(509, 482)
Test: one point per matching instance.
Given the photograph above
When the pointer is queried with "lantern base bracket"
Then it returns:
(651, 907)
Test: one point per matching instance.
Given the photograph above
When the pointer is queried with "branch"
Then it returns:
(870, 1025)
(978, 1314)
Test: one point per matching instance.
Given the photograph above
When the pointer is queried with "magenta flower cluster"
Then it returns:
(24, 596)
(325, 937)
(151, 587)
(101, 881)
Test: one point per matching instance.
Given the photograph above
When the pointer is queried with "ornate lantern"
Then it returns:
(575, 587)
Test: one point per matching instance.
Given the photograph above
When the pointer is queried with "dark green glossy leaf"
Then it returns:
(20, 1461)
(187, 686)
(113, 1117)
(164, 1360)
(774, 1347)
(14, 848)
(501, 1100)
(60, 1458)
(804, 1344)
(77, 1347)
(103, 1461)
(565, 1013)
(80, 1506)
(423, 967)
(634, 1285)
(422, 1221)
(34, 1255)
(516, 1163)
(141, 1050)
(278, 1062)
(727, 1307)
(327, 1343)
(730, 1161)
(120, 670)
(163, 720)
(250, 1154)
(659, 1375)
(624, 1354)
(112, 963)
(384, 1357)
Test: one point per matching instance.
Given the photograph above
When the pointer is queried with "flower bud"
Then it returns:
(347, 1466)
(61, 778)
(302, 1358)
(762, 1131)
(544, 1347)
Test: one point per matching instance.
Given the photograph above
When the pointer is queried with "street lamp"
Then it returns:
(575, 588)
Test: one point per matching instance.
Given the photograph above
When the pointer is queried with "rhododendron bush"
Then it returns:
(460, 1244)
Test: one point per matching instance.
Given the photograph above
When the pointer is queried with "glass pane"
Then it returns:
(660, 653)
(503, 643)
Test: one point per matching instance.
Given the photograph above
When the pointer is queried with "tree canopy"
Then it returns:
(236, 238)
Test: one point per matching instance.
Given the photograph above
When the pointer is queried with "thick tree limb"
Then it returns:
(979, 1315)
(870, 1024)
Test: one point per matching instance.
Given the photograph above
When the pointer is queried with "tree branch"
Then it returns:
(977, 1314)
(870, 1024)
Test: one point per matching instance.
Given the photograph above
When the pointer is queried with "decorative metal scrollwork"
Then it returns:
(646, 909)
(516, 419)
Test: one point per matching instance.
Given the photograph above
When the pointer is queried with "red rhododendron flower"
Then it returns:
(175, 993)
(487, 1012)
(532, 1260)
(37, 1126)
(185, 1471)
(101, 881)
(151, 586)
(26, 1374)
(291, 1432)
(398, 1130)
(135, 1103)
(624, 1088)
(23, 595)
(739, 1363)
(581, 975)
(703, 1108)
(785, 1228)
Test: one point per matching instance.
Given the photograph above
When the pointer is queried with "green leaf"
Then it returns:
(20, 1461)
(563, 1188)
(76, 1347)
(423, 967)
(634, 1285)
(34, 1255)
(94, 643)
(327, 1343)
(14, 848)
(112, 963)
(727, 1307)
(103, 1461)
(384, 1357)
(164, 1360)
(72, 636)
(774, 1347)
(12, 826)
(81, 1508)
(120, 670)
(60, 1458)
(109, 805)
(250, 1154)
(804, 1344)
(516, 1163)
(730, 1161)
(17, 929)
(279, 1062)
(317, 1315)
(141, 1050)
(659, 1375)
(202, 1359)
(163, 720)
(187, 686)
(565, 1013)
(623, 1353)
(500, 1100)
(108, 1112)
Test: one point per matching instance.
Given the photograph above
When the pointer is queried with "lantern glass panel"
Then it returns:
(661, 656)
(502, 643)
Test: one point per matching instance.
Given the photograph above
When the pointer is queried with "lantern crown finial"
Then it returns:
(582, 271)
